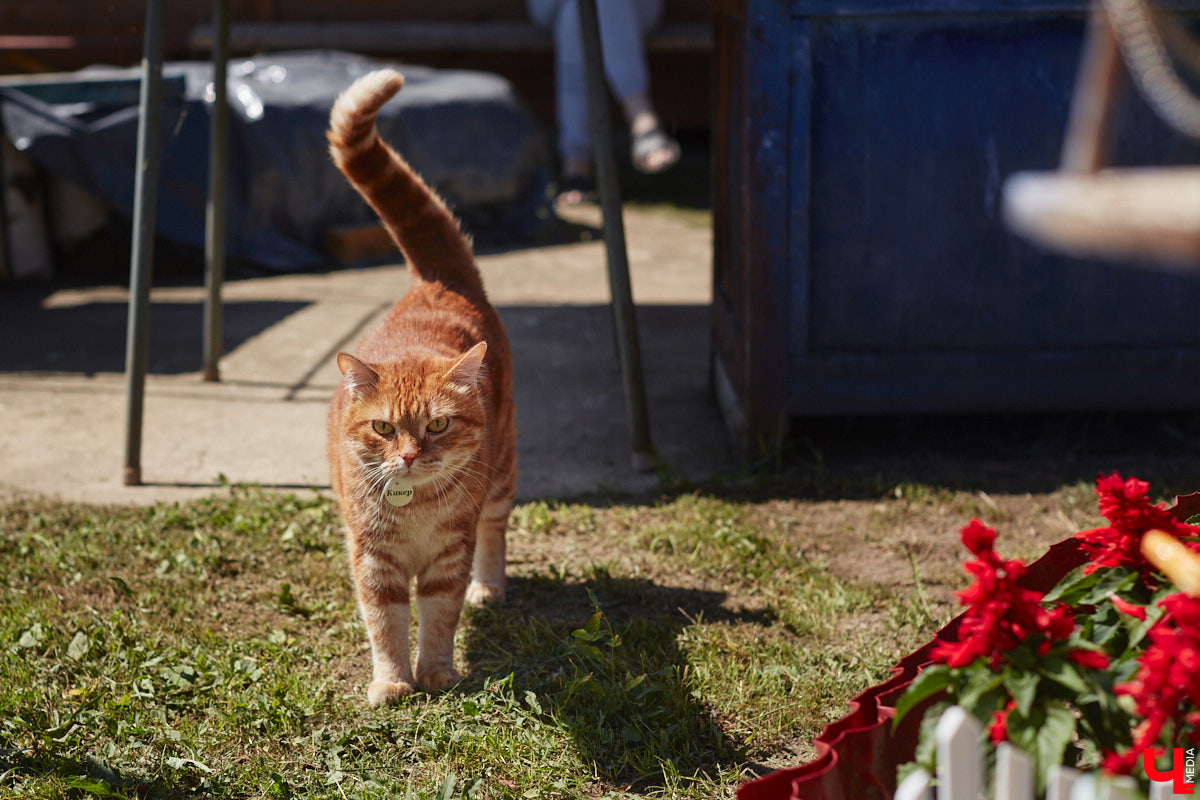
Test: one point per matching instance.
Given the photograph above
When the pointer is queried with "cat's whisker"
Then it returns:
(442, 488)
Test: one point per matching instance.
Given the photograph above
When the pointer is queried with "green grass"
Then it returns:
(213, 650)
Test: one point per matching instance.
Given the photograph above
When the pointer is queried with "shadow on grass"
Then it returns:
(89, 778)
(857, 458)
(602, 659)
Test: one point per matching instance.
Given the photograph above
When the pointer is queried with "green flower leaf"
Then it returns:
(932, 680)
(982, 683)
(1073, 586)
(1105, 631)
(1138, 628)
(1044, 733)
(1115, 580)
(925, 756)
(1022, 686)
(1064, 673)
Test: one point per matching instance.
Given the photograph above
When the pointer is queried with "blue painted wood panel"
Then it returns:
(883, 279)
(850, 8)
(915, 128)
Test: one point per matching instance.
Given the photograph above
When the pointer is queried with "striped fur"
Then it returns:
(440, 353)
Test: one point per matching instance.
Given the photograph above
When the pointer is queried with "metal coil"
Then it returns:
(1141, 40)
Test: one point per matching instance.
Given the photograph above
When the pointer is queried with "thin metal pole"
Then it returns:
(142, 258)
(1088, 137)
(7, 269)
(624, 316)
(214, 237)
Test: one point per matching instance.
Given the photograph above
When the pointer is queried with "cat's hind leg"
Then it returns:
(487, 572)
(439, 607)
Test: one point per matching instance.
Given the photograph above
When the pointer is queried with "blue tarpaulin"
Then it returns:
(466, 132)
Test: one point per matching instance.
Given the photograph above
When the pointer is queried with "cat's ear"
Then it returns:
(358, 376)
(466, 370)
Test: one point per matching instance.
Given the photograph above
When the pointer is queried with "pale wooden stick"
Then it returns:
(1176, 561)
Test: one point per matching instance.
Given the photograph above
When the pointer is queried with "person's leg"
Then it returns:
(542, 12)
(570, 92)
(623, 26)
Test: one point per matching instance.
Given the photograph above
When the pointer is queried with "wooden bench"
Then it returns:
(680, 52)
(380, 37)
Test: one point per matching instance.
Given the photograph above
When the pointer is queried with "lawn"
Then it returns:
(671, 646)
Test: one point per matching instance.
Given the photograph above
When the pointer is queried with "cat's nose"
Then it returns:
(408, 458)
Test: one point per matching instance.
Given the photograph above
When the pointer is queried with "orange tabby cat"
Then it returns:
(422, 428)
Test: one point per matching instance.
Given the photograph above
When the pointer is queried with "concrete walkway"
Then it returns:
(62, 394)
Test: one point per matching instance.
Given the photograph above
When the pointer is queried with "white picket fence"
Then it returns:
(960, 772)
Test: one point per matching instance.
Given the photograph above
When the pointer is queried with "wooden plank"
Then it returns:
(1120, 787)
(1150, 213)
(1101, 379)
(728, 324)
(1014, 773)
(1090, 786)
(408, 10)
(378, 36)
(1161, 790)
(59, 15)
(1059, 782)
(763, 216)
(37, 42)
(958, 766)
(849, 8)
(917, 786)
(800, 185)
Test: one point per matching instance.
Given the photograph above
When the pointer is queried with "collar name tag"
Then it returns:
(399, 492)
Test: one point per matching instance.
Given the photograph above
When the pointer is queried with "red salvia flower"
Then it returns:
(1126, 504)
(1000, 613)
(998, 730)
(1120, 763)
(1089, 659)
(1126, 607)
(1166, 688)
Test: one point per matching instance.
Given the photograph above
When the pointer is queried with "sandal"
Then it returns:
(647, 143)
(576, 189)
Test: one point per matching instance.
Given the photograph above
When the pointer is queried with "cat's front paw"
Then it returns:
(382, 693)
(434, 679)
(479, 594)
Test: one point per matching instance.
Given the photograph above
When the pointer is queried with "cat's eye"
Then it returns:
(438, 424)
(383, 427)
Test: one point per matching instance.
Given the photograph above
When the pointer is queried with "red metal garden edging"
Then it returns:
(857, 755)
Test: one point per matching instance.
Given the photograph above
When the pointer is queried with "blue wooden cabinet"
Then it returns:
(861, 265)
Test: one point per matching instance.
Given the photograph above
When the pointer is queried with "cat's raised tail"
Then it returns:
(417, 219)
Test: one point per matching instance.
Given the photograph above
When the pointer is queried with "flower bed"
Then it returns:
(1088, 656)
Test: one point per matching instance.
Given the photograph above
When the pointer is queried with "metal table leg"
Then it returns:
(7, 270)
(1086, 144)
(142, 259)
(624, 316)
(214, 238)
